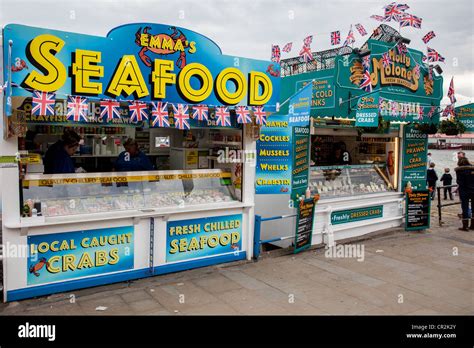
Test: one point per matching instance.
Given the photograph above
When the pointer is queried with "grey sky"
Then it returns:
(248, 28)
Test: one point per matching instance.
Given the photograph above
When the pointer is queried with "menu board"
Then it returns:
(415, 148)
(304, 224)
(417, 210)
(300, 166)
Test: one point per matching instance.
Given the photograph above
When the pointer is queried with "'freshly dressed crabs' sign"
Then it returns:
(138, 61)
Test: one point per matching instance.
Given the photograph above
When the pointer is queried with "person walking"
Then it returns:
(447, 180)
(432, 178)
(465, 180)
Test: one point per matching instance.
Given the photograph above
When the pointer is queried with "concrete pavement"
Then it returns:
(402, 273)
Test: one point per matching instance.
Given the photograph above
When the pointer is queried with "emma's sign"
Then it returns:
(137, 61)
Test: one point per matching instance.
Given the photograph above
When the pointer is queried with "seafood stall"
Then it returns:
(125, 156)
(364, 148)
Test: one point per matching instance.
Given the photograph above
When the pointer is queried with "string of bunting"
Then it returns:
(156, 113)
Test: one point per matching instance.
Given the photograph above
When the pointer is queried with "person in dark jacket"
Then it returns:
(465, 181)
(447, 180)
(432, 178)
(57, 159)
(132, 159)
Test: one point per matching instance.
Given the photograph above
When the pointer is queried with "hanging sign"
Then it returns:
(300, 107)
(273, 173)
(304, 224)
(414, 165)
(300, 166)
(141, 61)
(323, 92)
(465, 114)
(417, 210)
(367, 114)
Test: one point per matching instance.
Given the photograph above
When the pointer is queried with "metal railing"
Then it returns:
(440, 219)
(258, 229)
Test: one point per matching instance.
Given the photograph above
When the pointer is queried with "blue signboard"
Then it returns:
(63, 256)
(273, 173)
(203, 237)
(139, 61)
(300, 107)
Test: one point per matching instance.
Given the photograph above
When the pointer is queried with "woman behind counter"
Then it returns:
(132, 159)
(57, 159)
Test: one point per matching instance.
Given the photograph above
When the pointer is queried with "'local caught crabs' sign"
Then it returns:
(136, 61)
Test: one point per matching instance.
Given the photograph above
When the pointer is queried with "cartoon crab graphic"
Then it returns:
(176, 35)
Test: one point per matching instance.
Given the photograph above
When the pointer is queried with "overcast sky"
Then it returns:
(248, 28)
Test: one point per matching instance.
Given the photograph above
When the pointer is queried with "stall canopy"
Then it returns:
(408, 88)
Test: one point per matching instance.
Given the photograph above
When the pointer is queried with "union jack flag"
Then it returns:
(287, 47)
(366, 83)
(394, 11)
(378, 18)
(276, 54)
(350, 39)
(451, 96)
(308, 40)
(416, 70)
(306, 53)
(428, 36)
(404, 110)
(421, 111)
(223, 117)
(110, 109)
(366, 62)
(386, 61)
(43, 103)
(402, 48)
(138, 111)
(200, 112)
(434, 56)
(449, 110)
(394, 107)
(181, 116)
(243, 114)
(260, 115)
(360, 29)
(409, 20)
(159, 115)
(424, 58)
(431, 112)
(77, 108)
(335, 37)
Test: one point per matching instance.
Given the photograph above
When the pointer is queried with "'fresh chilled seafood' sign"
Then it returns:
(70, 255)
(139, 61)
(196, 238)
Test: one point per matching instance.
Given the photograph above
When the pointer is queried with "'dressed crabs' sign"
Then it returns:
(137, 61)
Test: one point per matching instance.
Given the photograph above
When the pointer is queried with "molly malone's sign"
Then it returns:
(136, 61)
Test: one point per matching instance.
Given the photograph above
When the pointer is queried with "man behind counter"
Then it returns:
(132, 159)
(57, 159)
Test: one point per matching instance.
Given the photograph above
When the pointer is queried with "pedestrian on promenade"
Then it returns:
(432, 178)
(447, 180)
(465, 180)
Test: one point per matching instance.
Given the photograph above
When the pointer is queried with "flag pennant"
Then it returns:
(449, 111)
(451, 96)
(287, 47)
(416, 71)
(243, 114)
(360, 29)
(138, 111)
(409, 20)
(308, 40)
(386, 61)
(159, 115)
(110, 109)
(378, 18)
(42, 103)
(77, 108)
(306, 53)
(366, 82)
(421, 113)
(366, 62)
(428, 36)
(276, 54)
(181, 117)
(260, 115)
(431, 112)
(200, 112)
(335, 37)
(402, 48)
(350, 39)
(434, 56)
(222, 117)
(394, 11)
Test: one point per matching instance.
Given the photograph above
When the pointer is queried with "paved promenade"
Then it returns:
(402, 273)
